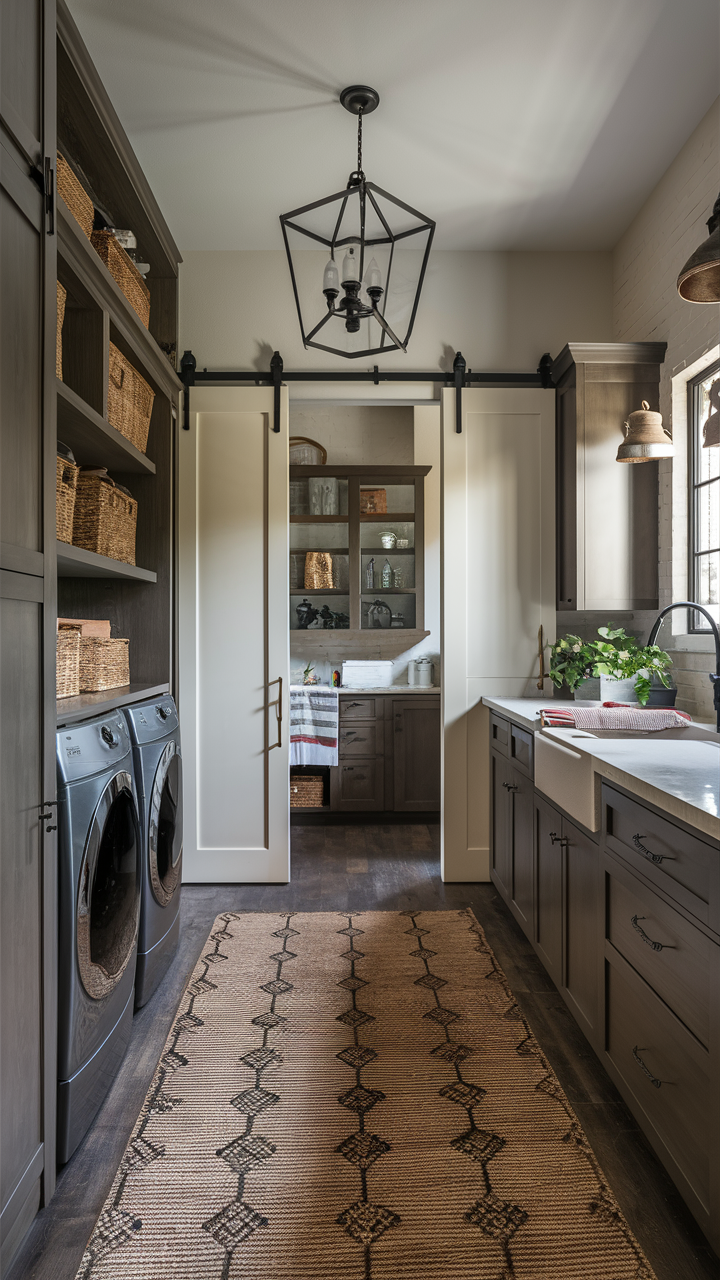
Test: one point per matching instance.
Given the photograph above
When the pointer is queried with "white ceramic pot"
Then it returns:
(617, 690)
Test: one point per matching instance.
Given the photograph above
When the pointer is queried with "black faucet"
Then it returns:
(715, 679)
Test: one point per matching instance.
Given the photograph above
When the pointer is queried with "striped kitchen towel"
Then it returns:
(613, 715)
(313, 724)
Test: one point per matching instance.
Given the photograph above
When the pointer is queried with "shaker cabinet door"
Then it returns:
(503, 780)
(416, 753)
(522, 851)
(549, 889)
(583, 931)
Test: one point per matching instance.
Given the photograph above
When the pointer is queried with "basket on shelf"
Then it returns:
(104, 664)
(68, 662)
(305, 452)
(373, 502)
(105, 518)
(65, 494)
(75, 196)
(124, 272)
(318, 571)
(306, 791)
(130, 400)
(61, 299)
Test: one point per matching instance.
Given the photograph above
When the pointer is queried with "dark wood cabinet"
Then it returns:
(548, 938)
(582, 928)
(512, 819)
(416, 753)
(503, 780)
(357, 785)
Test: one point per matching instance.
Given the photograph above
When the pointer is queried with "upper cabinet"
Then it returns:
(607, 512)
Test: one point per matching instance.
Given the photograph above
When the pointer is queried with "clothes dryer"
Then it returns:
(157, 759)
(99, 894)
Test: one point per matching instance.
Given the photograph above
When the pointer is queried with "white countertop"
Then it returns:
(395, 688)
(680, 777)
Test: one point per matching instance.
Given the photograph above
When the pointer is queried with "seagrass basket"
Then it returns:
(67, 679)
(104, 664)
(61, 299)
(130, 400)
(124, 272)
(306, 791)
(318, 571)
(105, 519)
(65, 493)
(75, 196)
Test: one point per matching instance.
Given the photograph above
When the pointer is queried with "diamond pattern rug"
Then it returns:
(377, 1111)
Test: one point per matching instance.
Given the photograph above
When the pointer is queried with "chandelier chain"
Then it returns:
(359, 162)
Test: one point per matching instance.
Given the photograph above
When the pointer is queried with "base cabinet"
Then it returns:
(388, 754)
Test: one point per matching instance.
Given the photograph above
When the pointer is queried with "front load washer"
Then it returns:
(99, 883)
(155, 735)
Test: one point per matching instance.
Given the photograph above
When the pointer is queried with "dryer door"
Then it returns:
(165, 826)
(108, 902)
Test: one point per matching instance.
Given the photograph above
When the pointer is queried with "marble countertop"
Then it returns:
(396, 689)
(680, 777)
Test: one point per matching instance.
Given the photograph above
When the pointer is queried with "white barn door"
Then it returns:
(233, 594)
(498, 588)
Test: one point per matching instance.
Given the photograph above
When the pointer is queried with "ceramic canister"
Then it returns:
(424, 673)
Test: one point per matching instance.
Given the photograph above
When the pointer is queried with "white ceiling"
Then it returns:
(523, 124)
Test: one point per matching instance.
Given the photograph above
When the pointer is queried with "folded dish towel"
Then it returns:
(313, 724)
(614, 715)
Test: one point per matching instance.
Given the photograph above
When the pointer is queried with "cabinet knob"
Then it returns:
(510, 786)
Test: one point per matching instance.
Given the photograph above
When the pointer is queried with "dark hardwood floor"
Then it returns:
(383, 868)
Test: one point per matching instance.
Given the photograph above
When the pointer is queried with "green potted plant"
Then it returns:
(626, 669)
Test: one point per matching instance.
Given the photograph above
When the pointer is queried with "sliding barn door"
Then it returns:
(498, 588)
(234, 637)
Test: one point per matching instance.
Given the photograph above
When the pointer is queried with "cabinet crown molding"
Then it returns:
(607, 353)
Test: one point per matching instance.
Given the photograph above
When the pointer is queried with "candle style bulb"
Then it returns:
(351, 264)
(331, 277)
(373, 276)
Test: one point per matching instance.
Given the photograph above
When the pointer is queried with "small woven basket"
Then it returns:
(65, 494)
(105, 519)
(318, 571)
(104, 664)
(306, 791)
(68, 662)
(373, 502)
(124, 272)
(130, 400)
(75, 196)
(61, 299)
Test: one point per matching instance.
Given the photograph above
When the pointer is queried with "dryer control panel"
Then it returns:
(149, 721)
(93, 747)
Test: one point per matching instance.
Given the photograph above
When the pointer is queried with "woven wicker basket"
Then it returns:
(373, 502)
(130, 400)
(318, 571)
(306, 791)
(105, 519)
(65, 494)
(124, 272)
(75, 196)
(68, 662)
(61, 298)
(104, 664)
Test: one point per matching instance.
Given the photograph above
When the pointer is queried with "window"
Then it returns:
(705, 495)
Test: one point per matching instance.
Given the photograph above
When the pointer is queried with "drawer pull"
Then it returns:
(653, 1079)
(352, 704)
(657, 858)
(656, 946)
(510, 786)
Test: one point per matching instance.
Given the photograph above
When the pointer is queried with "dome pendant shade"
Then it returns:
(646, 440)
(699, 280)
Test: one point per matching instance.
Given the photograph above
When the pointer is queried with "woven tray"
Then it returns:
(75, 196)
(306, 791)
(61, 299)
(318, 571)
(68, 663)
(105, 519)
(124, 272)
(104, 664)
(65, 493)
(130, 400)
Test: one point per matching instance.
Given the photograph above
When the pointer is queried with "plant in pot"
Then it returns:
(628, 671)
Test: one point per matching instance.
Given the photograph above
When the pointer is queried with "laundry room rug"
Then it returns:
(356, 1097)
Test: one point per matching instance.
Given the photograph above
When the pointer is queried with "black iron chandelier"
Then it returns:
(369, 290)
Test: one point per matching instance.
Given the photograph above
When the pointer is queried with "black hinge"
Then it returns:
(44, 179)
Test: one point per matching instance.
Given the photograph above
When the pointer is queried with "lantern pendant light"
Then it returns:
(363, 300)
(646, 439)
(699, 280)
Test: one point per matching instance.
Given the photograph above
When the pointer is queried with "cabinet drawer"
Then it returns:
(679, 864)
(521, 749)
(665, 1073)
(361, 783)
(669, 952)
(360, 708)
(362, 739)
(500, 734)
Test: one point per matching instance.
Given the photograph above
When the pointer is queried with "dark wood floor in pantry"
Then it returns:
(386, 868)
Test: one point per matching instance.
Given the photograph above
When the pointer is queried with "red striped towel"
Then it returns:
(614, 715)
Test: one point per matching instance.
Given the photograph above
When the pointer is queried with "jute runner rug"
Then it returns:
(356, 1097)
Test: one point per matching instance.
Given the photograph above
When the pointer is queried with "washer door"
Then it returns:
(165, 826)
(108, 903)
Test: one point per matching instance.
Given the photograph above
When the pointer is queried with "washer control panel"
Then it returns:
(92, 747)
(152, 720)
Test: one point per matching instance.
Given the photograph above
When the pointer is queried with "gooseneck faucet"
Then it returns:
(715, 679)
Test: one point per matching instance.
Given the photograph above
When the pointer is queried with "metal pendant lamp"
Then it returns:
(699, 280)
(646, 439)
(363, 299)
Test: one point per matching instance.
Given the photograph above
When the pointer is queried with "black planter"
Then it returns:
(661, 697)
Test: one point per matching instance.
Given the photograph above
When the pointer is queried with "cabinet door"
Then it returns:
(416, 753)
(357, 786)
(583, 932)
(549, 889)
(503, 780)
(522, 851)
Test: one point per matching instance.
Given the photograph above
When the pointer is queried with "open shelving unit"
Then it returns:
(137, 599)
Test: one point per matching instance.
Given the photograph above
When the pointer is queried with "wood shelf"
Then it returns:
(397, 517)
(388, 591)
(386, 642)
(75, 562)
(319, 591)
(92, 439)
(373, 551)
(85, 705)
(319, 520)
